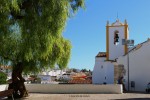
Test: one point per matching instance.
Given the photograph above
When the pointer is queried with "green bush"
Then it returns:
(3, 78)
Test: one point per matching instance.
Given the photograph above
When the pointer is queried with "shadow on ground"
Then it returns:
(133, 99)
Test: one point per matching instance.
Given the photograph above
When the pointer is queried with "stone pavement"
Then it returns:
(124, 96)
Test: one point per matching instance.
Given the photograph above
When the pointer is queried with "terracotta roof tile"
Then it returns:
(101, 54)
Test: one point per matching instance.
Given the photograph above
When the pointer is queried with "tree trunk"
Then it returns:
(18, 82)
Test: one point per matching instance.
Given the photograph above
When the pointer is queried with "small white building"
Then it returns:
(120, 59)
(53, 72)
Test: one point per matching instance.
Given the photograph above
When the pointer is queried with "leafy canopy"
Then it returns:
(31, 32)
(3, 78)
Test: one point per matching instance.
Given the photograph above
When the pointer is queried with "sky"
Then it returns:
(87, 29)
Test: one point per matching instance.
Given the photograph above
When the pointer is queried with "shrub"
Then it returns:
(3, 78)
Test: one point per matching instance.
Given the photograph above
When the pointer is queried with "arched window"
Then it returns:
(116, 37)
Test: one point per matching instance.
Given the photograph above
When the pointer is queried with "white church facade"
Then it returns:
(131, 63)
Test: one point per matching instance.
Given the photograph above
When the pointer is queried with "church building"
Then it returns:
(122, 61)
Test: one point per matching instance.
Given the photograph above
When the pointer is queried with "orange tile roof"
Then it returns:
(5, 67)
(101, 54)
(80, 82)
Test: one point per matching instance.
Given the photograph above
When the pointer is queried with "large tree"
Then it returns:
(31, 36)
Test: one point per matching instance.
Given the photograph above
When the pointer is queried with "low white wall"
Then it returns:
(74, 88)
(3, 87)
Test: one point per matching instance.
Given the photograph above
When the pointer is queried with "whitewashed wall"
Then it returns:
(139, 67)
(116, 50)
(3, 87)
(78, 89)
(100, 59)
(109, 72)
(98, 73)
(103, 72)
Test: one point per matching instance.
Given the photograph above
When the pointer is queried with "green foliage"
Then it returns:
(84, 70)
(74, 70)
(62, 80)
(31, 32)
(3, 78)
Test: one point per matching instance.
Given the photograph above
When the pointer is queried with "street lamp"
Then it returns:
(128, 43)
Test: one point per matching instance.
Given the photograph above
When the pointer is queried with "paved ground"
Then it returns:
(124, 96)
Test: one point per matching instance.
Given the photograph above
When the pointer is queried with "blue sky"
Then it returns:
(87, 29)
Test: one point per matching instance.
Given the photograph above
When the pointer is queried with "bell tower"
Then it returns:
(115, 32)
